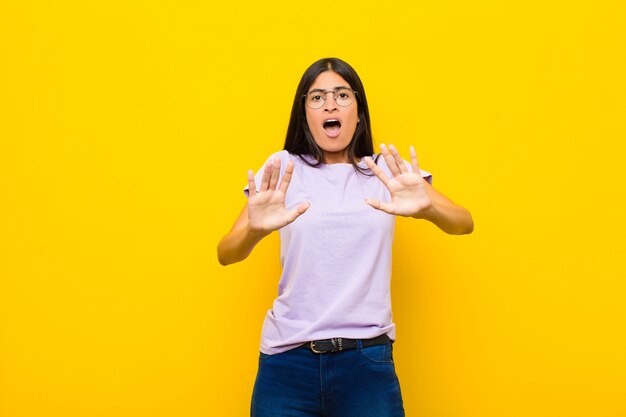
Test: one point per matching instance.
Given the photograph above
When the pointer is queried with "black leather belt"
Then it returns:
(337, 344)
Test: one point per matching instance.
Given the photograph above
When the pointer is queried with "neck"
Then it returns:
(335, 157)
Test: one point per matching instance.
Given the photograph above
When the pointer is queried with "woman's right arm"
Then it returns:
(237, 244)
(264, 213)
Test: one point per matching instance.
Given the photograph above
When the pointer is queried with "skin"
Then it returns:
(333, 149)
(411, 195)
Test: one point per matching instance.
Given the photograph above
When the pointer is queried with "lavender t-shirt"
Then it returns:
(336, 258)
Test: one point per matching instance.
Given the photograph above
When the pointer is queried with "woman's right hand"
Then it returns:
(266, 208)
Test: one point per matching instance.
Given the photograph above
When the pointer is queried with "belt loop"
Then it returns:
(359, 344)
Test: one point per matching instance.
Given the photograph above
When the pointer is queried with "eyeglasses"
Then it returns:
(317, 98)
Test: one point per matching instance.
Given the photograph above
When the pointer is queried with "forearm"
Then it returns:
(451, 218)
(237, 244)
(448, 216)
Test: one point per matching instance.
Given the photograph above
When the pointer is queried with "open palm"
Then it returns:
(266, 207)
(409, 193)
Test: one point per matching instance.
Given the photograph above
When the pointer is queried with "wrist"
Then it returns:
(428, 212)
(257, 234)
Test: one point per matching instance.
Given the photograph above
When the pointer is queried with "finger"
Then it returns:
(398, 159)
(298, 211)
(286, 177)
(251, 184)
(376, 170)
(265, 181)
(386, 207)
(275, 174)
(414, 164)
(391, 163)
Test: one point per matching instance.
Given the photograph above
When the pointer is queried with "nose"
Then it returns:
(329, 103)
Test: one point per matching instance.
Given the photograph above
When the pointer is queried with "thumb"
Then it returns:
(296, 212)
(386, 207)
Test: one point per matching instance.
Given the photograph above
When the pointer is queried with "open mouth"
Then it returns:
(332, 127)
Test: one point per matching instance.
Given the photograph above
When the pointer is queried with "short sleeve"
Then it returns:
(258, 176)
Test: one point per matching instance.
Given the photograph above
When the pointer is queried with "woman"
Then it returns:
(326, 346)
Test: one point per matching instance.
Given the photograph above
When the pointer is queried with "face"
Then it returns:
(332, 125)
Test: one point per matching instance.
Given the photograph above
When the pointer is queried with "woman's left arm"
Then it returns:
(413, 196)
(448, 216)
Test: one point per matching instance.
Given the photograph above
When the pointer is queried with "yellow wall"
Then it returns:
(127, 127)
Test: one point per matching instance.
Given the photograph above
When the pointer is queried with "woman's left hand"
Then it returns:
(409, 191)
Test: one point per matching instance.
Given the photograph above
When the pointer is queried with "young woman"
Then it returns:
(326, 345)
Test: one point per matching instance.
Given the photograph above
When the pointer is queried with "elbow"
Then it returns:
(224, 260)
(226, 256)
(464, 227)
(468, 226)
(221, 256)
(468, 229)
(459, 232)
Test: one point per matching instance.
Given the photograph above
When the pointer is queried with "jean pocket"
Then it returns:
(381, 354)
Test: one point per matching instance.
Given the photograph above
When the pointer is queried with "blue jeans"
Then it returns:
(359, 382)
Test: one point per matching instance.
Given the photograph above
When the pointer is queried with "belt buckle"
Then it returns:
(336, 342)
(313, 348)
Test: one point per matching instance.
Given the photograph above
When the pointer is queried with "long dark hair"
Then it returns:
(299, 140)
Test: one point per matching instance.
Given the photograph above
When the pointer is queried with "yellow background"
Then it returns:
(127, 127)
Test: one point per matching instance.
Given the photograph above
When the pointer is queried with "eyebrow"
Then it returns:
(339, 87)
